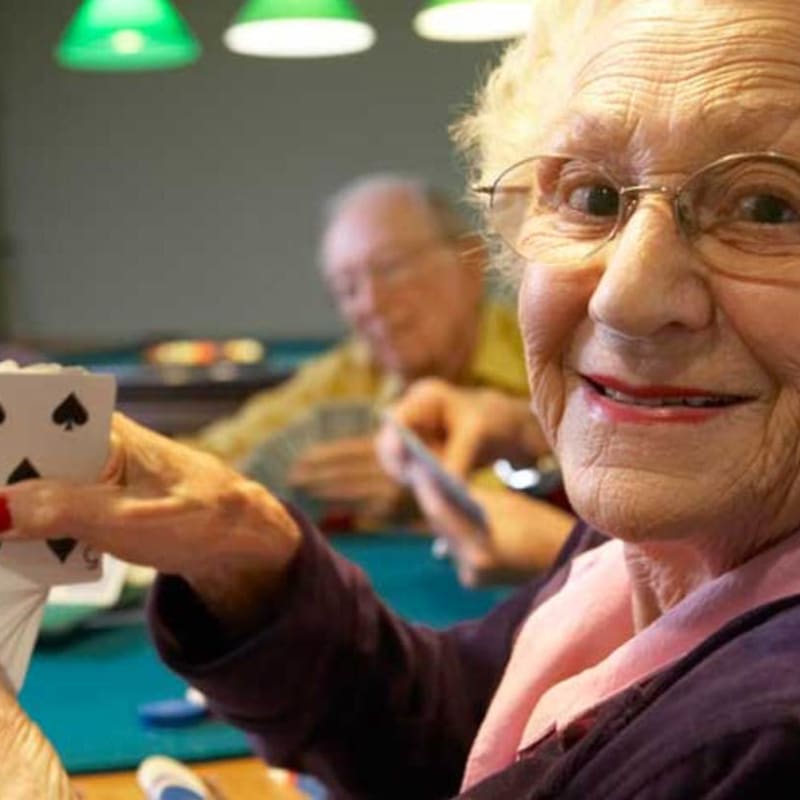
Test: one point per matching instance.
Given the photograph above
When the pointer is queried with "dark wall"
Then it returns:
(188, 201)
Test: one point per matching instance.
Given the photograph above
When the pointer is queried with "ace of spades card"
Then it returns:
(53, 424)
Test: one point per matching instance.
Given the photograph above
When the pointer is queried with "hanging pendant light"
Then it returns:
(118, 35)
(473, 20)
(299, 29)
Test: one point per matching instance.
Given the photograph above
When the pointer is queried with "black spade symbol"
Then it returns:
(70, 412)
(22, 472)
(62, 548)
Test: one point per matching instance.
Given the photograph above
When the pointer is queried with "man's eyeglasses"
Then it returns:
(384, 271)
(741, 212)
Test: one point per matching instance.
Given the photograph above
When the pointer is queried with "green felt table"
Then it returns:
(84, 688)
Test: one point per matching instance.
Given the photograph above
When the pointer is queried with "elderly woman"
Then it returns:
(642, 162)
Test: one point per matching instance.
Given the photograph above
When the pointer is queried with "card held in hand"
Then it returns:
(452, 488)
(54, 423)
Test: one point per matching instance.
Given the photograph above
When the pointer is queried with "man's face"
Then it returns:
(398, 282)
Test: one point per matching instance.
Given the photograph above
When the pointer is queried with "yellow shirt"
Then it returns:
(347, 373)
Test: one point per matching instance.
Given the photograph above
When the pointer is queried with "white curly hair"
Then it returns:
(511, 109)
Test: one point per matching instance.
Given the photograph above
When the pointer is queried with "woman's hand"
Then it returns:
(29, 767)
(183, 512)
(467, 428)
(525, 535)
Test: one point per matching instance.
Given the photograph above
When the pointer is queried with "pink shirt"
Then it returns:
(579, 648)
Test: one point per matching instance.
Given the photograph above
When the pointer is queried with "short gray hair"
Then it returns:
(450, 221)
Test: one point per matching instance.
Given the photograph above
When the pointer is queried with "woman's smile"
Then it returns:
(619, 401)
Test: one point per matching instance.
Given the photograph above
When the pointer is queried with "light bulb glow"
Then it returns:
(119, 35)
(299, 38)
(474, 20)
(127, 42)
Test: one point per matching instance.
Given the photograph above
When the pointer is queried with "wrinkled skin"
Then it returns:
(661, 89)
(171, 507)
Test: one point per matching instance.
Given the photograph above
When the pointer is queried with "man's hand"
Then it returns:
(466, 428)
(525, 535)
(346, 472)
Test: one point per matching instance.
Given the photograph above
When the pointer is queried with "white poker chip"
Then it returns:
(196, 697)
(157, 775)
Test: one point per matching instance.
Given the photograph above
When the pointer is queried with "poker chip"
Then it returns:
(196, 696)
(164, 778)
(171, 713)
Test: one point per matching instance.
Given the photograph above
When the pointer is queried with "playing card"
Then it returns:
(302, 434)
(269, 463)
(20, 617)
(17, 607)
(451, 487)
(272, 461)
(342, 419)
(54, 423)
(102, 593)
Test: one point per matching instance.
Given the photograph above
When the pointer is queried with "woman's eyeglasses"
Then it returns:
(741, 212)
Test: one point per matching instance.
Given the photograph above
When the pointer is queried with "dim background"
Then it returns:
(188, 201)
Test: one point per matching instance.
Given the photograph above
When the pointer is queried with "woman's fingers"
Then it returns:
(102, 516)
(168, 506)
(46, 509)
(115, 463)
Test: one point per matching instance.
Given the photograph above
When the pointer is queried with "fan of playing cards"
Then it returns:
(271, 461)
(54, 423)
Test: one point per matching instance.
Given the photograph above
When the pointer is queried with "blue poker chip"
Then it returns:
(173, 713)
(310, 786)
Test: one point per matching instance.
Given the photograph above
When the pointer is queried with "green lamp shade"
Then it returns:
(298, 29)
(118, 35)
(473, 20)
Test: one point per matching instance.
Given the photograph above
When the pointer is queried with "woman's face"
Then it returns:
(617, 344)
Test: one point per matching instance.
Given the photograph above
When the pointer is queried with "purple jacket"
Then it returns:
(335, 684)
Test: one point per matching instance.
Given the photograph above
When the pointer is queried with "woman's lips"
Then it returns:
(621, 402)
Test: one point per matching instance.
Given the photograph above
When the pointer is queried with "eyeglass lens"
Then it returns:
(563, 210)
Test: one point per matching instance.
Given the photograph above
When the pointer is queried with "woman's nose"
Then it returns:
(652, 279)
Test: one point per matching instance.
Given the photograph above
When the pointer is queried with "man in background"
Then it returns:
(406, 276)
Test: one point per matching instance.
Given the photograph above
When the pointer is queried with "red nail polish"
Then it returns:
(5, 515)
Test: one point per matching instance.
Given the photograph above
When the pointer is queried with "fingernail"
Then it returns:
(5, 515)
